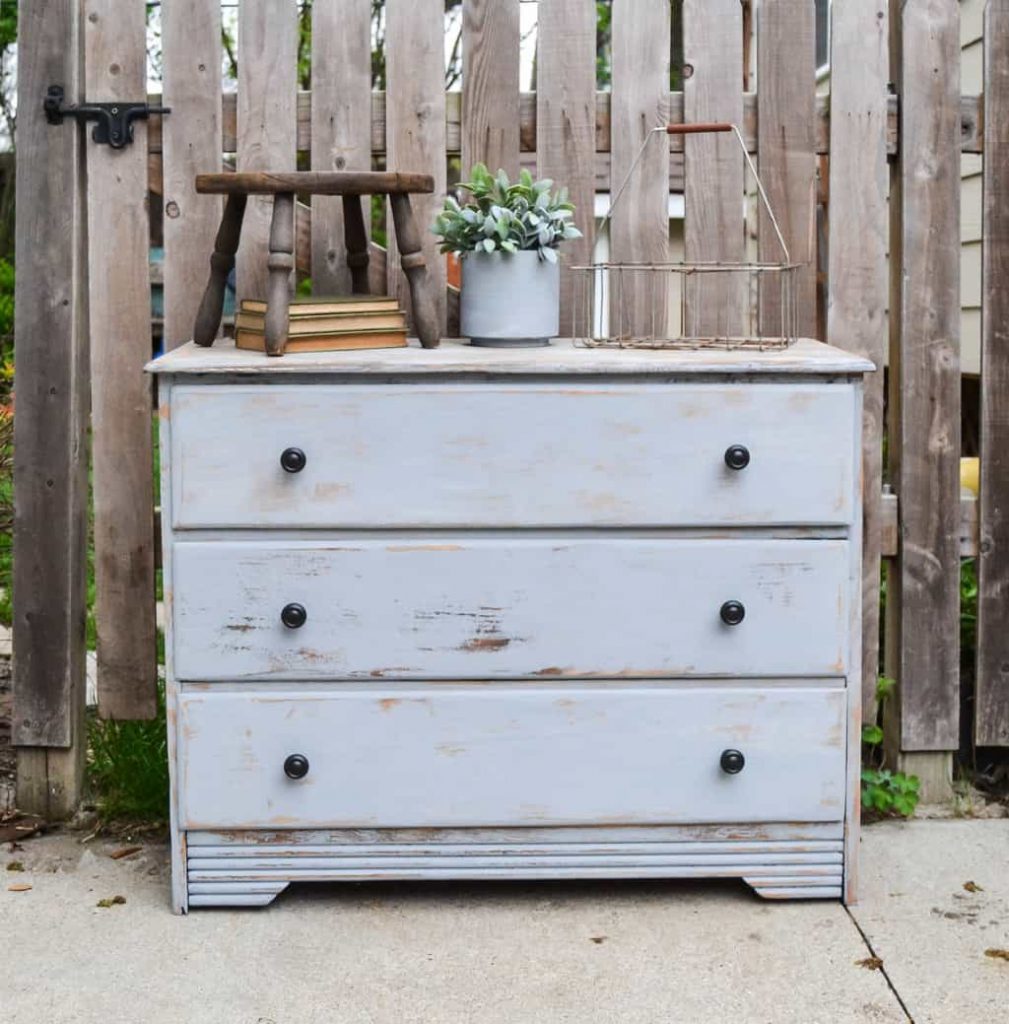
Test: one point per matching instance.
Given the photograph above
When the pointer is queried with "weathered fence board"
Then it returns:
(118, 243)
(50, 430)
(490, 85)
(924, 438)
(992, 701)
(565, 122)
(786, 80)
(415, 124)
(191, 62)
(857, 282)
(639, 229)
(267, 91)
(341, 126)
(713, 164)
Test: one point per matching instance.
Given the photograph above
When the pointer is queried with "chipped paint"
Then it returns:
(485, 643)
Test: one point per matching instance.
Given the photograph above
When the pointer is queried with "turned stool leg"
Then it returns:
(281, 263)
(208, 317)
(425, 311)
(356, 240)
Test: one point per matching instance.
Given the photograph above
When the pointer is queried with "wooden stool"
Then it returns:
(351, 185)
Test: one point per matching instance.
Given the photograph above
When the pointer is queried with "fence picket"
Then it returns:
(50, 430)
(786, 127)
(857, 283)
(923, 597)
(713, 164)
(639, 229)
(191, 62)
(565, 123)
(341, 126)
(415, 124)
(120, 313)
(267, 111)
(490, 85)
(992, 702)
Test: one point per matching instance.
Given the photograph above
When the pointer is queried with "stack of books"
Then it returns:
(326, 324)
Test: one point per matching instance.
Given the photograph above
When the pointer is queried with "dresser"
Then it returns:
(483, 614)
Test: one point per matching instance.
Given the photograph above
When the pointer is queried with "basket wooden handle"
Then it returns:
(698, 129)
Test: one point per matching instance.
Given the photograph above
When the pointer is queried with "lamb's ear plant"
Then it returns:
(506, 217)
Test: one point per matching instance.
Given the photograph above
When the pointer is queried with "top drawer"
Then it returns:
(499, 455)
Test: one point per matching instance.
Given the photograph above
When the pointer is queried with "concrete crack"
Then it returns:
(882, 968)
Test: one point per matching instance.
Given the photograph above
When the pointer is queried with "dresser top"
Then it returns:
(564, 358)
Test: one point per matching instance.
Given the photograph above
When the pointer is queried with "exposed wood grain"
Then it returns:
(115, 68)
(50, 429)
(992, 700)
(857, 293)
(490, 85)
(786, 75)
(191, 46)
(713, 165)
(341, 126)
(267, 90)
(923, 596)
(564, 356)
(328, 183)
(639, 228)
(415, 125)
(565, 125)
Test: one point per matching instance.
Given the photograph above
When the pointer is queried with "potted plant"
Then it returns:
(507, 238)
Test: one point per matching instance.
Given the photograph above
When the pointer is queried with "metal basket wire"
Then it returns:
(680, 305)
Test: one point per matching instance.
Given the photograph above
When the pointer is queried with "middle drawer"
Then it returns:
(507, 606)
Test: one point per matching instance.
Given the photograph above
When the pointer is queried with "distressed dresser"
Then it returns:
(512, 614)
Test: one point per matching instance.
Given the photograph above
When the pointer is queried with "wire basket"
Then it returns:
(716, 304)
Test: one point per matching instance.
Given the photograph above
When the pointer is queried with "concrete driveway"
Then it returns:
(518, 953)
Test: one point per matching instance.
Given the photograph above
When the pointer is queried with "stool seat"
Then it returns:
(283, 186)
(316, 183)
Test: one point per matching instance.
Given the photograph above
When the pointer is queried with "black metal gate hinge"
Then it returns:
(114, 121)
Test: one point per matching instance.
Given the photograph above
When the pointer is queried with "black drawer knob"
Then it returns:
(292, 460)
(293, 615)
(737, 456)
(732, 613)
(296, 766)
(732, 761)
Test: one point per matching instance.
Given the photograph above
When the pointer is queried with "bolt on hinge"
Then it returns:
(114, 121)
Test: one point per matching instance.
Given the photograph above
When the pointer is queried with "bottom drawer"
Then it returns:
(508, 754)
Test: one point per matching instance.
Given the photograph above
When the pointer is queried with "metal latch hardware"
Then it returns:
(114, 121)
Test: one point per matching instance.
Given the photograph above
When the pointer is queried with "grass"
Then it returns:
(128, 767)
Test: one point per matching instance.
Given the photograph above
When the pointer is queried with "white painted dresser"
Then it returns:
(470, 613)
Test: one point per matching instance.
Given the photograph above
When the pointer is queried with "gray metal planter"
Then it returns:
(509, 300)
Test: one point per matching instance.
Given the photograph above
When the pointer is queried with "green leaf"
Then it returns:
(872, 735)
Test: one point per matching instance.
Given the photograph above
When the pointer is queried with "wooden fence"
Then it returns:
(82, 234)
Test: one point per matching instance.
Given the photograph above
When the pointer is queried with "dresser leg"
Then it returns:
(208, 317)
(797, 887)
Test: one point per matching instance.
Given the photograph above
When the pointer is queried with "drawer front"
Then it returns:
(496, 455)
(510, 754)
(464, 607)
